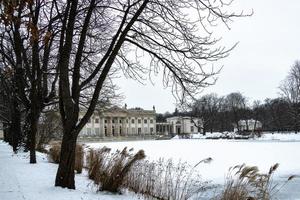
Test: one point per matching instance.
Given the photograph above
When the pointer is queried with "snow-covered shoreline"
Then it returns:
(265, 136)
(225, 154)
(20, 180)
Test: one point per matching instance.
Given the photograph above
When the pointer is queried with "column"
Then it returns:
(102, 124)
(109, 126)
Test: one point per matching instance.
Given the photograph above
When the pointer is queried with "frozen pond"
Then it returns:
(225, 154)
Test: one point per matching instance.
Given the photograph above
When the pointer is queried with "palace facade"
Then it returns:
(180, 125)
(117, 121)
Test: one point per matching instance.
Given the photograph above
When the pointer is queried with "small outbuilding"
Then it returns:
(249, 125)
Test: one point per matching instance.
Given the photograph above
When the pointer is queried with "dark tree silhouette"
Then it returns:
(97, 36)
(27, 48)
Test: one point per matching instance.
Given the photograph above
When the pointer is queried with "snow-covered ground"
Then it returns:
(280, 137)
(267, 136)
(225, 154)
(20, 180)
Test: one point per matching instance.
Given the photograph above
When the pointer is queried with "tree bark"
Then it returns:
(65, 173)
(5, 138)
(32, 134)
(16, 126)
(34, 118)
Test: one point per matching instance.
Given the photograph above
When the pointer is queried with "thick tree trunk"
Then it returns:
(6, 133)
(9, 134)
(34, 118)
(65, 176)
(204, 130)
(32, 135)
(5, 136)
(16, 127)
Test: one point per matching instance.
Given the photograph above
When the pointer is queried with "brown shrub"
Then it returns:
(54, 152)
(54, 155)
(94, 161)
(122, 163)
(79, 154)
(247, 183)
(108, 170)
(165, 180)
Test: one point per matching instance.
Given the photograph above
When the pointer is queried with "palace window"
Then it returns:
(89, 131)
(139, 121)
(192, 129)
(132, 121)
(120, 121)
(151, 131)
(151, 121)
(145, 121)
(97, 121)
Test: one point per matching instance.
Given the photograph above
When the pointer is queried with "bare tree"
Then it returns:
(207, 108)
(10, 108)
(237, 104)
(97, 36)
(85, 40)
(290, 91)
(27, 47)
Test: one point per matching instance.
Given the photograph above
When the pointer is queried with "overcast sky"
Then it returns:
(269, 43)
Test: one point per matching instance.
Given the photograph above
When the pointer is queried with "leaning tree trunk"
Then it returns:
(65, 173)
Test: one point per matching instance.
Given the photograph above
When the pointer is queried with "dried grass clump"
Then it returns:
(247, 183)
(54, 152)
(165, 180)
(79, 155)
(94, 162)
(54, 155)
(108, 170)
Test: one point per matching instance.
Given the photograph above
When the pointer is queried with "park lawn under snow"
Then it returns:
(20, 180)
(225, 154)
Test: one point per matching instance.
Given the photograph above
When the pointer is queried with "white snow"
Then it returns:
(225, 154)
(20, 180)
(281, 136)
(267, 136)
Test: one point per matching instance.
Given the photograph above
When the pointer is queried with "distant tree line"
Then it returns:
(222, 113)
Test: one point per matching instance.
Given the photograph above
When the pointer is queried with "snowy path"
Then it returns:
(20, 180)
(9, 184)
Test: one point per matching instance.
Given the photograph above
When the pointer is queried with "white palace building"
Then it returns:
(180, 125)
(116, 121)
